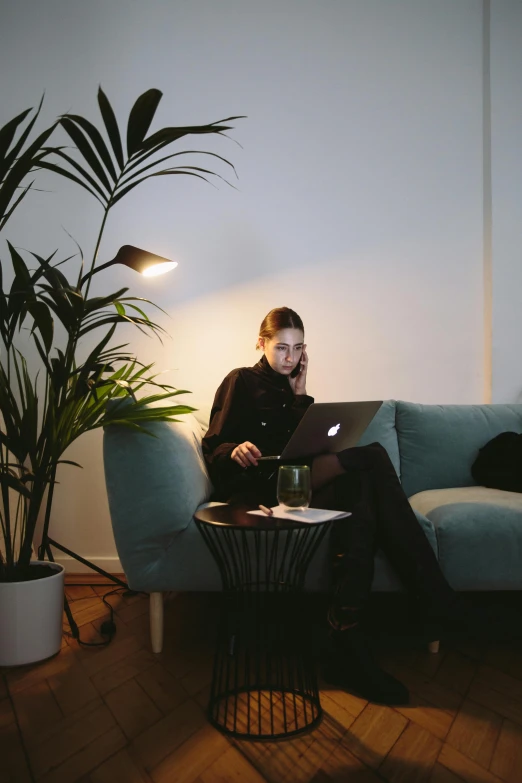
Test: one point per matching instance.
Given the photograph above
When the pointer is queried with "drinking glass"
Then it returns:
(294, 488)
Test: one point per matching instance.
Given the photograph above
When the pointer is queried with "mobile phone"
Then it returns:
(297, 369)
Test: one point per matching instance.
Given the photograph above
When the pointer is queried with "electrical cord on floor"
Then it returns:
(108, 627)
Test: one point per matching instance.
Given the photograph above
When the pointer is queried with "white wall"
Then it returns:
(506, 166)
(359, 200)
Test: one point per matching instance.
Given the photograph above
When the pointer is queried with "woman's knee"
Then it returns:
(376, 446)
(377, 452)
(325, 468)
(364, 457)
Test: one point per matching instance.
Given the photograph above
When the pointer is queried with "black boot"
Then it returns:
(350, 664)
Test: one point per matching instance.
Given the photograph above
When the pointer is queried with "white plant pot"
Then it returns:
(31, 616)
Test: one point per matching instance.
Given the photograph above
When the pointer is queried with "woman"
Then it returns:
(255, 411)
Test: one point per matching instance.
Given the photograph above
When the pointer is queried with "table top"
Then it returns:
(237, 517)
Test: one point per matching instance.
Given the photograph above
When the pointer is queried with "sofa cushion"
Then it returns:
(479, 535)
(439, 443)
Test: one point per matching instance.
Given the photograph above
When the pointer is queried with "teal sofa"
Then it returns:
(156, 484)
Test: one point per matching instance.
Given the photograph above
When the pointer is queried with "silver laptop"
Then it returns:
(328, 427)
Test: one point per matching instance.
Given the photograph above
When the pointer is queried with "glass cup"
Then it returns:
(294, 487)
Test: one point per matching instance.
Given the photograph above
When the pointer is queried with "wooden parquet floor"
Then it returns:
(121, 714)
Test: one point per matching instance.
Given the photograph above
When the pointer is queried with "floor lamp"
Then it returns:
(148, 265)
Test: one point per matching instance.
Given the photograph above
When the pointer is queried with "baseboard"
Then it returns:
(110, 564)
(91, 579)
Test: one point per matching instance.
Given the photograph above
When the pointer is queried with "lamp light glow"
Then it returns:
(143, 261)
(159, 268)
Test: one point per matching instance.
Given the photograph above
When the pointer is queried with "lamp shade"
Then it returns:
(142, 261)
(135, 258)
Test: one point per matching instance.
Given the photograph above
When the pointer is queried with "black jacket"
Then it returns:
(255, 404)
(499, 463)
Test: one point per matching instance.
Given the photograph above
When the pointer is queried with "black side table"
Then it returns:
(264, 684)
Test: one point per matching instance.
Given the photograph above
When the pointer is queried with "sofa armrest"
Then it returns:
(155, 482)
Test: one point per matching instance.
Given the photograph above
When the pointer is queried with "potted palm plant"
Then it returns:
(42, 413)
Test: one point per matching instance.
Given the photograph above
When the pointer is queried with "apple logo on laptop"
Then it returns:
(333, 430)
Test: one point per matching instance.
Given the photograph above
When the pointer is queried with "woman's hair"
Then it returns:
(277, 319)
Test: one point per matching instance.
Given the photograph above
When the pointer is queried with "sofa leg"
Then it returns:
(156, 621)
(433, 647)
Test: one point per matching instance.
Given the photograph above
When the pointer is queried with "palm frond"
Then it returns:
(17, 162)
(109, 177)
(77, 390)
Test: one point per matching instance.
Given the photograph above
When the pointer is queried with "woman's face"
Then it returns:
(283, 350)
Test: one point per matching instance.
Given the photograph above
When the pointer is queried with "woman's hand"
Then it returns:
(246, 454)
(298, 384)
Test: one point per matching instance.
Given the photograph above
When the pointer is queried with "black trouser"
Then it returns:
(382, 518)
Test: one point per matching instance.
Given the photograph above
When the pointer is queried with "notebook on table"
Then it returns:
(312, 516)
